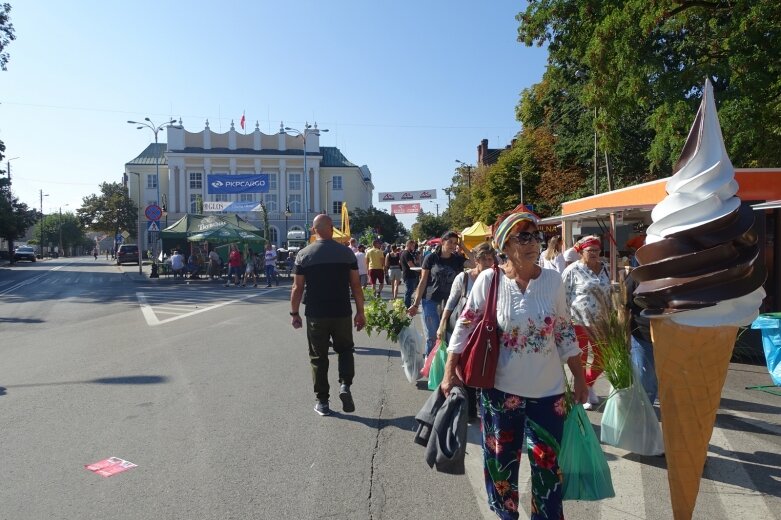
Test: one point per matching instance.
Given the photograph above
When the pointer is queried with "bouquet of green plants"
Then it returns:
(610, 333)
(382, 316)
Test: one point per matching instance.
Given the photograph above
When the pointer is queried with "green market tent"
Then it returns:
(191, 224)
(176, 236)
(226, 234)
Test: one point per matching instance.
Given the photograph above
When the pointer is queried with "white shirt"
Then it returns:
(362, 267)
(177, 262)
(558, 263)
(536, 334)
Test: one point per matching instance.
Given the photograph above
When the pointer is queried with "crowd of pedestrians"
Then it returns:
(547, 299)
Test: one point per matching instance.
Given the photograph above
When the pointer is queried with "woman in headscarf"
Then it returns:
(588, 293)
(527, 400)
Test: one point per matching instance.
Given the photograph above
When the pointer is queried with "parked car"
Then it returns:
(127, 253)
(24, 253)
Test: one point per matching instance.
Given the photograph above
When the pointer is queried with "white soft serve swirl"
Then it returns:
(703, 189)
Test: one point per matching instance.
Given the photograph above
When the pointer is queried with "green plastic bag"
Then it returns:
(583, 464)
(437, 370)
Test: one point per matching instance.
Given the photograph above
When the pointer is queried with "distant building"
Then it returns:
(488, 156)
(189, 159)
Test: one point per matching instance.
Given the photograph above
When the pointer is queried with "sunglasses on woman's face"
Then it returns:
(525, 237)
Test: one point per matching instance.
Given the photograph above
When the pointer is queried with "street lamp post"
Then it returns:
(308, 130)
(287, 215)
(10, 241)
(42, 196)
(61, 250)
(138, 218)
(437, 205)
(147, 123)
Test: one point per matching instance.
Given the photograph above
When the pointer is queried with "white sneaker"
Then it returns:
(592, 396)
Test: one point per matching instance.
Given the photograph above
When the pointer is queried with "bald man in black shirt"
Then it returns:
(328, 271)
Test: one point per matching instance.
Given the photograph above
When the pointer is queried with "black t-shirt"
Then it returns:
(325, 266)
(393, 259)
(443, 272)
(406, 257)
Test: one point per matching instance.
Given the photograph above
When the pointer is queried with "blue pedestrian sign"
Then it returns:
(152, 225)
(118, 239)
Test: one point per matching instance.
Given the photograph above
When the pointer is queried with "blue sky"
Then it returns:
(404, 87)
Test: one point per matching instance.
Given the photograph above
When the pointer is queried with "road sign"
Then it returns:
(151, 225)
(153, 212)
(125, 235)
(118, 239)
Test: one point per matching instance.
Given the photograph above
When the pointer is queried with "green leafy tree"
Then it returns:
(428, 226)
(633, 71)
(55, 226)
(15, 217)
(380, 222)
(7, 34)
(111, 212)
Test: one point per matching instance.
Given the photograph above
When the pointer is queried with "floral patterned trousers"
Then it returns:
(510, 424)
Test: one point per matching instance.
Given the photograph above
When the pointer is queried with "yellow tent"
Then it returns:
(474, 234)
(338, 236)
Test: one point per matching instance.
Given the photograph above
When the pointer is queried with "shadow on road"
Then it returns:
(747, 406)
(20, 320)
(763, 469)
(406, 422)
(369, 351)
(120, 380)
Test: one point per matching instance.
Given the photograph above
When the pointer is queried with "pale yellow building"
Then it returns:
(187, 160)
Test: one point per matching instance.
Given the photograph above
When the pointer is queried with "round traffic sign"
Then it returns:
(153, 212)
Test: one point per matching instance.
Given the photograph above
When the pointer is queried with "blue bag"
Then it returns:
(770, 324)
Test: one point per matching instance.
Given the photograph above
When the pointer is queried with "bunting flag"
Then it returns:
(241, 122)
(345, 220)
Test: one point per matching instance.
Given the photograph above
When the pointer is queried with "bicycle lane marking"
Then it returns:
(152, 320)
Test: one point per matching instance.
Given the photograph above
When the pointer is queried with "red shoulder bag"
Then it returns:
(481, 355)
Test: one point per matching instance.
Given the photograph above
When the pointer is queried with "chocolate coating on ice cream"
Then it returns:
(699, 262)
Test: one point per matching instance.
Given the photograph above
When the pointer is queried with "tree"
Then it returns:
(380, 222)
(15, 217)
(633, 71)
(55, 226)
(428, 226)
(6, 33)
(110, 212)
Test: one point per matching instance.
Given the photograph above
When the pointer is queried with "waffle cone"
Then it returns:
(691, 366)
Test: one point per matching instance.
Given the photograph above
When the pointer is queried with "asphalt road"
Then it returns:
(207, 389)
(213, 402)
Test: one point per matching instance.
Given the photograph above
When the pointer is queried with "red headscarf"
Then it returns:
(588, 241)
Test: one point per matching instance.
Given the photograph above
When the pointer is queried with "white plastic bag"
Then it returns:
(629, 422)
(412, 349)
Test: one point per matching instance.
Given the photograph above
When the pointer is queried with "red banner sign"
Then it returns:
(402, 209)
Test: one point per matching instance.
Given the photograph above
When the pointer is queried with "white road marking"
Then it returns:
(150, 310)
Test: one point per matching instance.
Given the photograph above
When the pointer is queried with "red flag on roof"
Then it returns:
(241, 122)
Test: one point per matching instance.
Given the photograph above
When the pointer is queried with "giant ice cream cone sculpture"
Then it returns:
(699, 283)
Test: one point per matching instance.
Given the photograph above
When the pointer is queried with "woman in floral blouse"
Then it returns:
(588, 293)
(528, 395)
